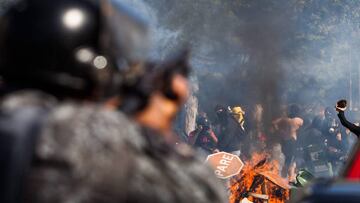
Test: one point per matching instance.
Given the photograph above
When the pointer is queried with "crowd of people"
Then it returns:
(85, 116)
(309, 139)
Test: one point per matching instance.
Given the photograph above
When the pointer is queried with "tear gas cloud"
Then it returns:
(273, 53)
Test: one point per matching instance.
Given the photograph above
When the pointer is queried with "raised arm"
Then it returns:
(352, 127)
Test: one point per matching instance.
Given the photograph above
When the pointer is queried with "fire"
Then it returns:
(259, 181)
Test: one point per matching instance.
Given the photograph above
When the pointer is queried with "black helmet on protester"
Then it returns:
(68, 47)
(203, 121)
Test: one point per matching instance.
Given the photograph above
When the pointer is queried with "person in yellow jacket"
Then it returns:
(239, 115)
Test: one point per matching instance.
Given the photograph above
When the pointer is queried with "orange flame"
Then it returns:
(260, 175)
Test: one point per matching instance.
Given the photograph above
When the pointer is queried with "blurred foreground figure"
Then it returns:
(57, 58)
(340, 108)
(164, 170)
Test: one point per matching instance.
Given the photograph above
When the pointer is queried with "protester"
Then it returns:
(203, 137)
(333, 136)
(287, 127)
(340, 108)
(239, 115)
(313, 147)
(229, 131)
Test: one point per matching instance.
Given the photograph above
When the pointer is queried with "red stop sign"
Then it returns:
(225, 164)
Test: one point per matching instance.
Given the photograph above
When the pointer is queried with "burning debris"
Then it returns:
(259, 181)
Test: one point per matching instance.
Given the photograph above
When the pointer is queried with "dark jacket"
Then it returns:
(352, 127)
(230, 134)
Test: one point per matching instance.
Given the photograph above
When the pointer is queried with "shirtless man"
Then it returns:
(286, 127)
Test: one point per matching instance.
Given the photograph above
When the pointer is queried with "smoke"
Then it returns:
(264, 35)
(275, 52)
(163, 40)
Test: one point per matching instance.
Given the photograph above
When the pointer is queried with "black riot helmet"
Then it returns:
(68, 48)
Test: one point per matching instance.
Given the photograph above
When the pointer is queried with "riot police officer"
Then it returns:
(57, 59)
(172, 170)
